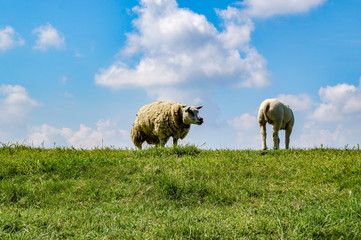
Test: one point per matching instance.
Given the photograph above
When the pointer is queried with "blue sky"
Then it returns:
(74, 73)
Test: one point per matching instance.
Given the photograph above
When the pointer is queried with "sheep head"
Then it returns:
(191, 115)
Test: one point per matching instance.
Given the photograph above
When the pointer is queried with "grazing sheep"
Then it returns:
(280, 116)
(157, 122)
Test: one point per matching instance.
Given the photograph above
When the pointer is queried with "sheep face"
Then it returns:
(191, 115)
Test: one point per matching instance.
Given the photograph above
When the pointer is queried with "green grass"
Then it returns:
(179, 193)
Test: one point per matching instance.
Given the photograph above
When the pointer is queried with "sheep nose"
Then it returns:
(201, 120)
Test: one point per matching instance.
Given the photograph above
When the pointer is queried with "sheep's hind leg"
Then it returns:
(263, 136)
(288, 134)
(276, 141)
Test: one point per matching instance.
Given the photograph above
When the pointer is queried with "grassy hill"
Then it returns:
(179, 193)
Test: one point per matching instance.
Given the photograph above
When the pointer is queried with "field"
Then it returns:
(179, 193)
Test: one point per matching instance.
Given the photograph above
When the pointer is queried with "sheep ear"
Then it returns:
(186, 108)
(199, 107)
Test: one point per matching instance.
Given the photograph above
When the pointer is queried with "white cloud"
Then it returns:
(301, 102)
(48, 37)
(47, 136)
(245, 122)
(335, 121)
(249, 141)
(339, 103)
(106, 134)
(180, 47)
(192, 96)
(262, 8)
(15, 106)
(315, 134)
(63, 80)
(149, 72)
(9, 38)
(246, 131)
(237, 28)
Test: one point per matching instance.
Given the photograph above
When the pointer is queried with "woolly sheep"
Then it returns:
(156, 122)
(280, 116)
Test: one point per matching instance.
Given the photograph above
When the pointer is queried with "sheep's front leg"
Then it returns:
(263, 136)
(175, 142)
(276, 140)
(163, 141)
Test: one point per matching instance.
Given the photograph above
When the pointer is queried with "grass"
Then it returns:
(179, 193)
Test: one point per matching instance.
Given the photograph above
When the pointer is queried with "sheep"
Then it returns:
(156, 122)
(280, 116)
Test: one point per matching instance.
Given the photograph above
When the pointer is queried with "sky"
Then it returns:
(75, 73)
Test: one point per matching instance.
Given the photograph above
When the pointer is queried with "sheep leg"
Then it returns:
(263, 136)
(137, 138)
(138, 143)
(276, 141)
(288, 134)
(175, 142)
(163, 141)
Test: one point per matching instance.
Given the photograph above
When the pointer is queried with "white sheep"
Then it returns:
(157, 122)
(280, 116)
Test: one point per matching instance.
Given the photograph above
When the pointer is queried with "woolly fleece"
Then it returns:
(157, 122)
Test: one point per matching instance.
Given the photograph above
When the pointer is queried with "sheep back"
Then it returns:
(274, 110)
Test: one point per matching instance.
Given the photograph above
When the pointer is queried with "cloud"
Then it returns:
(63, 80)
(191, 96)
(245, 122)
(339, 103)
(48, 37)
(15, 106)
(247, 130)
(301, 102)
(315, 134)
(9, 38)
(178, 47)
(105, 134)
(333, 122)
(264, 9)
(249, 141)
